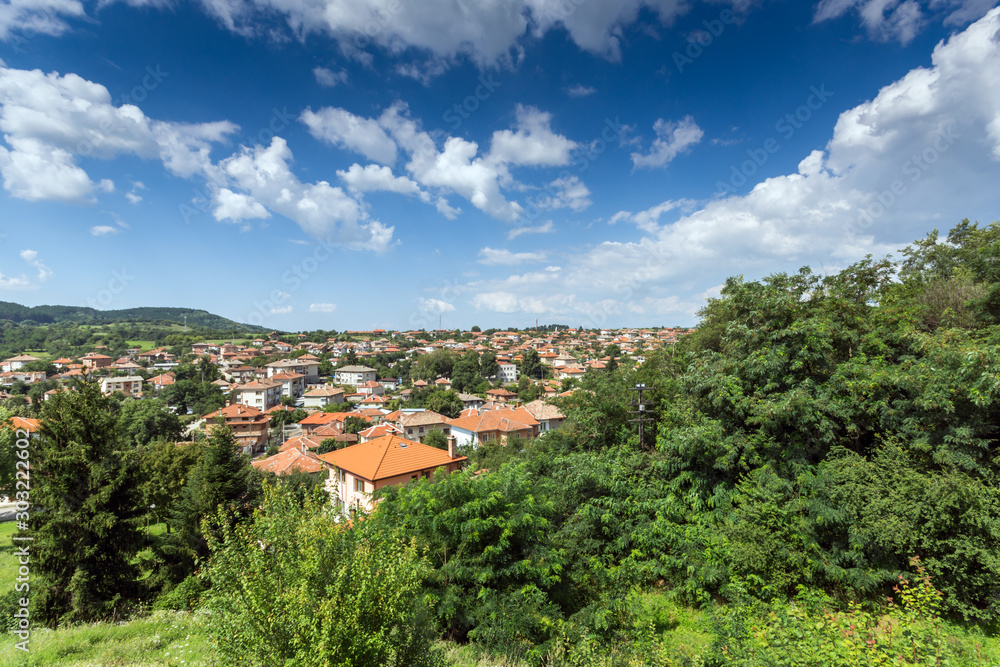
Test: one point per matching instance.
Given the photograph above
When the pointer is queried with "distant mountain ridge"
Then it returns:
(86, 315)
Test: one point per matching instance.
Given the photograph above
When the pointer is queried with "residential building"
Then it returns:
(17, 363)
(418, 425)
(260, 394)
(357, 471)
(354, 375)
(249, 425)
(507, 373)
(130, 385)
(501, 425)
(548, 416)
(321, 396)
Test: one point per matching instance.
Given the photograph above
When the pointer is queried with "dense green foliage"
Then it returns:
(293, 587)
(84, 315)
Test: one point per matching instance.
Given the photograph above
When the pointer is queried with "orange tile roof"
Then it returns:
(28, 424)
(289, 461)
(497, 420)
(388, 456)
(320, 418)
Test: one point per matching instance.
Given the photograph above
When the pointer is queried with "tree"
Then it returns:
(532, 365)
(436, 438)
(488, 366)
(351, 358)
(327, 445)
(445, 402)
(147, 420)
(223, 477)
(166, 466)
(349, 595)
(86, 505)
(353, 424)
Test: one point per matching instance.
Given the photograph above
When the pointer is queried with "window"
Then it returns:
(421, 429)
(359, 484)
(340, 475)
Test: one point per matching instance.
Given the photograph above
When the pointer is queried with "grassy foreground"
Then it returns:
(162, 639)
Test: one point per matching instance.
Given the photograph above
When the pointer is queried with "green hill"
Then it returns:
(85, 315)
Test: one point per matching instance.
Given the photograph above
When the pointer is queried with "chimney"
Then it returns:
(452, 447)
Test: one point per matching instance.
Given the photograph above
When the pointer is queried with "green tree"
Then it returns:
(436, 438)
(86, 504)
(488, 366)
(166, 466)
(143, 421)
(348, 595)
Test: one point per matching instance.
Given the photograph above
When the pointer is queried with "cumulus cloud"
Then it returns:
(345, 130)
(321, 210)
(672, 139)
(924, 152)
(234, 206)
(322, 307)
(533, 143)
(374, 177)
(435, 306)
(494, 256)
(48, 120)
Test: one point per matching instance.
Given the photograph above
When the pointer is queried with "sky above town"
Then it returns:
(357, 164)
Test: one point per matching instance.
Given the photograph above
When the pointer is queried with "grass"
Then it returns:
(8, 564)
(143, 345)
(162, 639)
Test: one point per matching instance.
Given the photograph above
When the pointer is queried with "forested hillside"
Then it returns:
(823, 483)
(85, 315)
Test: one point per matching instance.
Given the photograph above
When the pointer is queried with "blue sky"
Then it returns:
(338, 164)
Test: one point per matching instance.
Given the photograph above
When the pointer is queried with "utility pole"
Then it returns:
(640, 410)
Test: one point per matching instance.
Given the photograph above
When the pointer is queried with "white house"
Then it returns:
(354, 375)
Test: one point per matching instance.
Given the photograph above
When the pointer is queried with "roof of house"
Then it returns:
(542, 410)
(423, 418)
(297, 442)
(236, 410)
(26, 423)
(496, 420)
(324, 391)
(388, 456)
(378, 431)
(257, 385)
(355, 369)
(288, 461)
(320, 418)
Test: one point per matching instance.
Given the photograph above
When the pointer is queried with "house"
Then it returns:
(501, 395)
(249, 425)
(507, 373)
(443, 384)
(566, 372)
(418, 425)
(292, 384)
(308, 369)
(290, 461)
(548, 416)
(32, 426)
(378, 431)
(357, 471)
(320, 396)
(260, 394)
(389, 384)
(300, 442)
(354, 375)
(17, 363)
(317, 419)
(501, 425)
(241, 373)
(130, 385)
(471, 400)
(92, 361)
(371, 388)
(373, 401)
(161, 381)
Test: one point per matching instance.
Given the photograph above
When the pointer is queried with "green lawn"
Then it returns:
(143, 345)
(164, 638)
(8, 564)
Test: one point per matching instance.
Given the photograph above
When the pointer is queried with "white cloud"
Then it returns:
(321, 210)
(322, 307)
(31, 257)
(533, 144)
(103, 230)
(48, 120)
(923, 153)
(19, 283)
(132, 195)
(566, 192)
(546, 227)
(672, 139)
(896, 20)
(374, 177)
(493, 256)
(234, 206)
(435, 306)
(343, 129)
(579, 90)
(45, 17)
(327, 77)
(281, 310)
